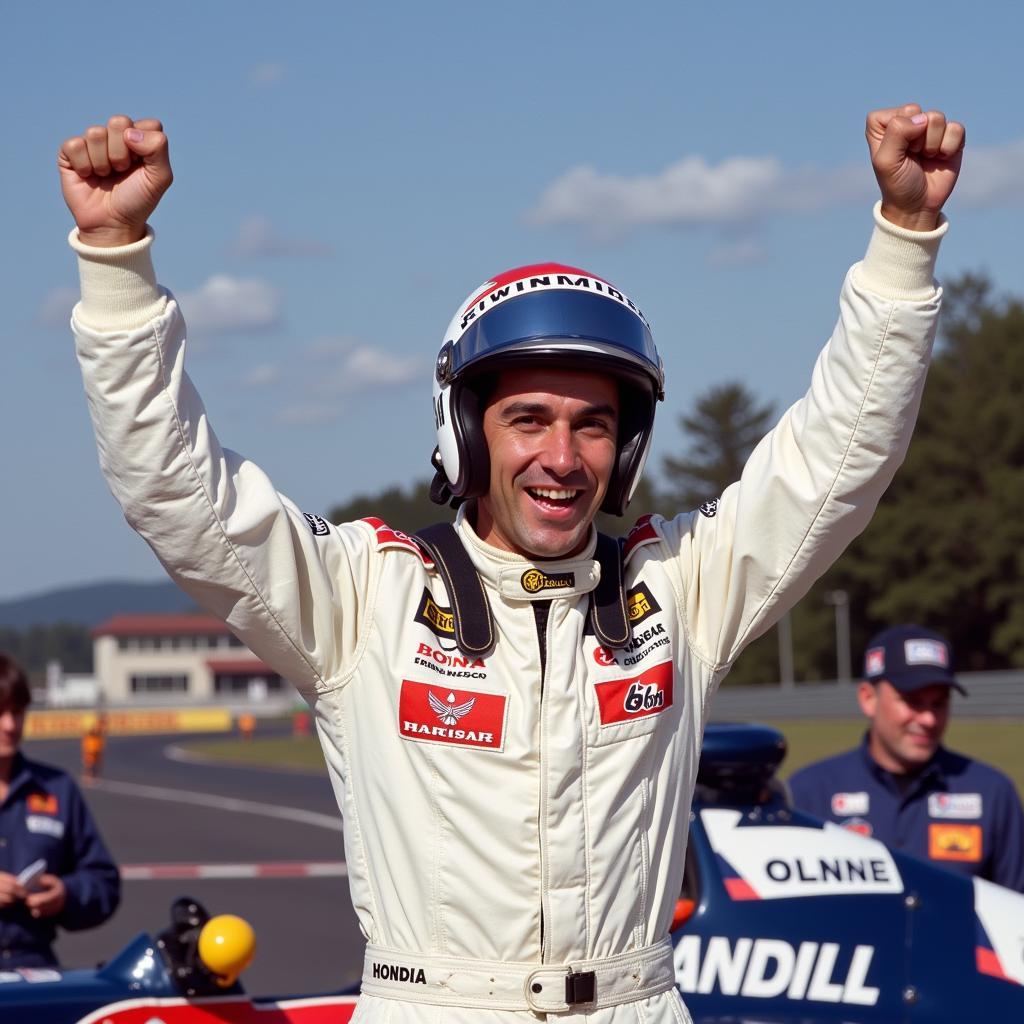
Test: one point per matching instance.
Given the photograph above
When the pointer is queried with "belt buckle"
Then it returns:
(543, 984)
(580, 987)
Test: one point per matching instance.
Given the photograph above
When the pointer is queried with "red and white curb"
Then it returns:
(280, 869)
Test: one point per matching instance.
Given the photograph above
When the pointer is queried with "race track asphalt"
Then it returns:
(153, 810)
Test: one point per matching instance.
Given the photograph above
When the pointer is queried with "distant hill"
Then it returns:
(93, 603)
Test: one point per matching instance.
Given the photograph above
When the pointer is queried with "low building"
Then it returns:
(178, 658)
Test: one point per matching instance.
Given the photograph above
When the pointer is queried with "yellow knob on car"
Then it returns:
(227, 945)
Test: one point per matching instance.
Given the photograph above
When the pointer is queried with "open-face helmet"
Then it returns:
(552, 316)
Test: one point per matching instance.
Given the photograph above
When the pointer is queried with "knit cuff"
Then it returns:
(119, 289)
(900, 263)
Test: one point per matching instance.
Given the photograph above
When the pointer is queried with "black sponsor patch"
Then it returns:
(534, 581)
(440, 621)
(639, 604)
(319, 526)
(709, 508)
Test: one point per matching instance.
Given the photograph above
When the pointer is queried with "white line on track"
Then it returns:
(221, 803)
(273, 869)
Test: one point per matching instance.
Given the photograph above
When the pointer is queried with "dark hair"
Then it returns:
(14, 691)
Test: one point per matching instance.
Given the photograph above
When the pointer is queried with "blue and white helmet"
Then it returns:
(557, 316)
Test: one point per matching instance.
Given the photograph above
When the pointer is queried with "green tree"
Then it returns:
(721, 432)
(946, 546)
(401, 509)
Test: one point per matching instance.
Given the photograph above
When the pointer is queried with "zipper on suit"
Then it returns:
(541, 613)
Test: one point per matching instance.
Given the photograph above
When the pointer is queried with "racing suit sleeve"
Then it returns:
(289, 590)
(92, 883)
(813, 482)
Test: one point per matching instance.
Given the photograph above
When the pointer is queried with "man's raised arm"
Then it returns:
(292, 591)
(813, 482)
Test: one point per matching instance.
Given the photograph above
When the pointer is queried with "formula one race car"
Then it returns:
(782, 920)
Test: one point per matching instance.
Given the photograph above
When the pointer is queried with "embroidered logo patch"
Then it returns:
(709, 509)
(317, 525)
(41, 803)
(640, 603)
(649, 693)
(926, 652)
(439, 620)
(954, 842)
(43, 825)
(462, 718)
(874, 662)
(850, 803)
(533, 581)
(954, 805)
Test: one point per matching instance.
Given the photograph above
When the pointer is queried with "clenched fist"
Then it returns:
(112, 178)
(916, 157)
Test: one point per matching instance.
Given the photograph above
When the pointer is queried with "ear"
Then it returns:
(867, 698)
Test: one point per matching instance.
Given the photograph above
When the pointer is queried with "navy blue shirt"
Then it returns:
(45, 816)
(956, 813)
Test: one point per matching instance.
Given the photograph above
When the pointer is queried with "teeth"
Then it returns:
(552, 494)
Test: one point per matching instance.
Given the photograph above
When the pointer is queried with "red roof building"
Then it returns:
(185, 658)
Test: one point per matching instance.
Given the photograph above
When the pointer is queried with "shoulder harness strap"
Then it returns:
(608, 599)
(474, 624)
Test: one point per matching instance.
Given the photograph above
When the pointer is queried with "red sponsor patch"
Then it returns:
(42, 803)
(604, 655)
(435, 713)
(642, 533)
(623, 700)
(387, 537)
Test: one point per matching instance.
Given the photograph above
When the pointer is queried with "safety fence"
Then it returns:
(990, 695)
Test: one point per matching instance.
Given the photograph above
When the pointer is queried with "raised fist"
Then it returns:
(916, 157)
(112, 178)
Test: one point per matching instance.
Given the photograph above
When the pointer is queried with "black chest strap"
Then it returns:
(474, 623)
(608, 599)
(471, 611)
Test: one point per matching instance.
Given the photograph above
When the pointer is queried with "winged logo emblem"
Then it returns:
(450, 712)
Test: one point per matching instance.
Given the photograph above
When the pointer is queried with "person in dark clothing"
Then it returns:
(901, 785)
(54, 868)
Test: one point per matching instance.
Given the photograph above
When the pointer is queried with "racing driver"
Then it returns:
(511, 709)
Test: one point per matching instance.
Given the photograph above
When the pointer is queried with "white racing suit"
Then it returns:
(520, 818)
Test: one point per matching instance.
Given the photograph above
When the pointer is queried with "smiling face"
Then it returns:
(906, 728)
(552, 439)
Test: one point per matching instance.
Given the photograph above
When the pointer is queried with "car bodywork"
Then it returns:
(783, 920)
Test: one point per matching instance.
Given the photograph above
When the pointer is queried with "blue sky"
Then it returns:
(346, 173)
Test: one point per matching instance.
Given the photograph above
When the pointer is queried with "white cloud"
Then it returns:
(693, 193)
(745, 190)
(261, 376)
(55, 309)
(368, 367)
(227, 303)
(258, 237)
(267, 73)
(341, 369)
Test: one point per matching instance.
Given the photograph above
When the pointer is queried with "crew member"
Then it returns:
(511, 709)
(44, 818)
(93, 743)
(901, 785)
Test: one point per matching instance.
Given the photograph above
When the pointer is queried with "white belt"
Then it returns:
(545, 988)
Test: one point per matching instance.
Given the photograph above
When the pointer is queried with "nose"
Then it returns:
(561, 452)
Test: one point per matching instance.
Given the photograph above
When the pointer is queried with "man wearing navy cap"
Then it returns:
(901, 785)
